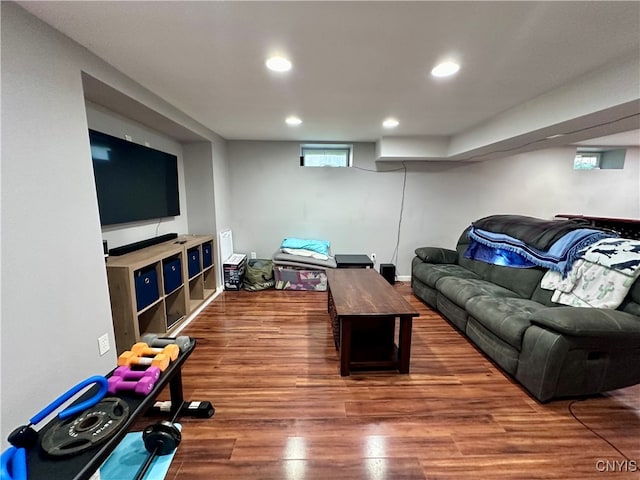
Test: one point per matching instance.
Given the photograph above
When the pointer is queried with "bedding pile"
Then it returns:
(600, 278)
(303, 253)
(300, 264)
(554, 245)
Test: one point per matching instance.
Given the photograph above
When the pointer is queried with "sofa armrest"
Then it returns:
(437, 255)
(587, 322)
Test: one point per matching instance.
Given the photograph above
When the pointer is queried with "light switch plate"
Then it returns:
(103, 344)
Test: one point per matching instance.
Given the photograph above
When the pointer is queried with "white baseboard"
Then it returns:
(403, 278)
(195, 313)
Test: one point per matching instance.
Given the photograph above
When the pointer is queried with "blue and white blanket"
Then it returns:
(559, 257)
(318, 246)
(600, 278)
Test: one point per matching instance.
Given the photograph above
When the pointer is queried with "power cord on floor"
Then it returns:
(593, 431)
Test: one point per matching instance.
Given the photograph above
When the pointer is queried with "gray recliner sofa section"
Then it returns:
(552, 350)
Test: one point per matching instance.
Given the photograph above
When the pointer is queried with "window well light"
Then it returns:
(445, 69)
(390, 123)
(293, 121)
(278, 63)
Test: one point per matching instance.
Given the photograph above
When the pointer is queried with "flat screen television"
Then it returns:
(133, 182)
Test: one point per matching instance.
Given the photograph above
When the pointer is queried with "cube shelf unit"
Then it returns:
(153, 290)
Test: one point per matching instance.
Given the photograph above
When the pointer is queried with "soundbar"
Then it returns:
(132, 247)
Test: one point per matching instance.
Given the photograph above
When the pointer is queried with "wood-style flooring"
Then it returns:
(267, 362)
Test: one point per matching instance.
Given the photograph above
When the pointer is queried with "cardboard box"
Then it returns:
(234, 268)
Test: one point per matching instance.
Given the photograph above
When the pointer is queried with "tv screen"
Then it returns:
(133, 182)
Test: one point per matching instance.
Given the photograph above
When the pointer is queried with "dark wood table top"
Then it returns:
(365, 292)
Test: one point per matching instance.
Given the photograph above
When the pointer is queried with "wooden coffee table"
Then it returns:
(363, 308)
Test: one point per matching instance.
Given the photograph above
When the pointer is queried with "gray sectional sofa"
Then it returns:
(553, 350)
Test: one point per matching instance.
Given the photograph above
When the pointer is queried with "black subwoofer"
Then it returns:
(388, 271)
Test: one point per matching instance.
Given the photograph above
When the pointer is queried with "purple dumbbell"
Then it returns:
(141, 387)
(126, 373)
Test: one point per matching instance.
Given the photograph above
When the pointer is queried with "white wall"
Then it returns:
(358, 211)
(200, 196)
(273, 197)
(55, 300)
(103, 120)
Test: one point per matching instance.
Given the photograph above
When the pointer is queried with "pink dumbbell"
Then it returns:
(126, 373)
(141, 387)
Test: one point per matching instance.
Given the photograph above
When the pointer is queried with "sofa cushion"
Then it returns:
(634, 292)
(437, 255)
(588, 322)
(506, 318)
(460, 290)
(452, 312)
(476, 266)
(429, 273)
(631, 303)
(424, 292)
(500, 352)
(523, 281)
(631, 307)
(543, 296)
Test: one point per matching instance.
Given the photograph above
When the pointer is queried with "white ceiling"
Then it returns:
(354, 63)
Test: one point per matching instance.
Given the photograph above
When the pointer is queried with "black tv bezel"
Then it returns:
(172, 193)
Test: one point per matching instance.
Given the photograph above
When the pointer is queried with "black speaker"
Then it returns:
(388, 271)
(132, 247)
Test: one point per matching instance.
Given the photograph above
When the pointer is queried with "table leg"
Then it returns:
(345, 345)
(176, 393)
(404, 347)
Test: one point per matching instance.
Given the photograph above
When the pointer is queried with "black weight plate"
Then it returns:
(163, 435)
(90, 428)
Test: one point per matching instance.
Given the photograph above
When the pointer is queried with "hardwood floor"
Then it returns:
(266, 361)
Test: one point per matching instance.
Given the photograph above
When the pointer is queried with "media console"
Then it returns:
(154, 289)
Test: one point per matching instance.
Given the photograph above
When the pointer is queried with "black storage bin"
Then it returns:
(193, 262)
(172, 270)
(146, 284)
(207, 258)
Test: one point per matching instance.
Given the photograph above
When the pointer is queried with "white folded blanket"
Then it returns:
(600, 278)
(588, 285)
(305, 253)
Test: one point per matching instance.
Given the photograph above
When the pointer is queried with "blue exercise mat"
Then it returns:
(127, 458)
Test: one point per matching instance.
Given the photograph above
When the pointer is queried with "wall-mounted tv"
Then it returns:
(133, 182)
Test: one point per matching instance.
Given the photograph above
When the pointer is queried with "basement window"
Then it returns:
(325, 155)
(599, 158)
(586, 161)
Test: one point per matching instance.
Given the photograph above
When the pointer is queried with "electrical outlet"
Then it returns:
(253, 255)
(373, 257)
(103, 344)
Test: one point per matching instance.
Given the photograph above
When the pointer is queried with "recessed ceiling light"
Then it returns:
(390, 123)
(445, 69)
(293, 121)
(278, 63)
